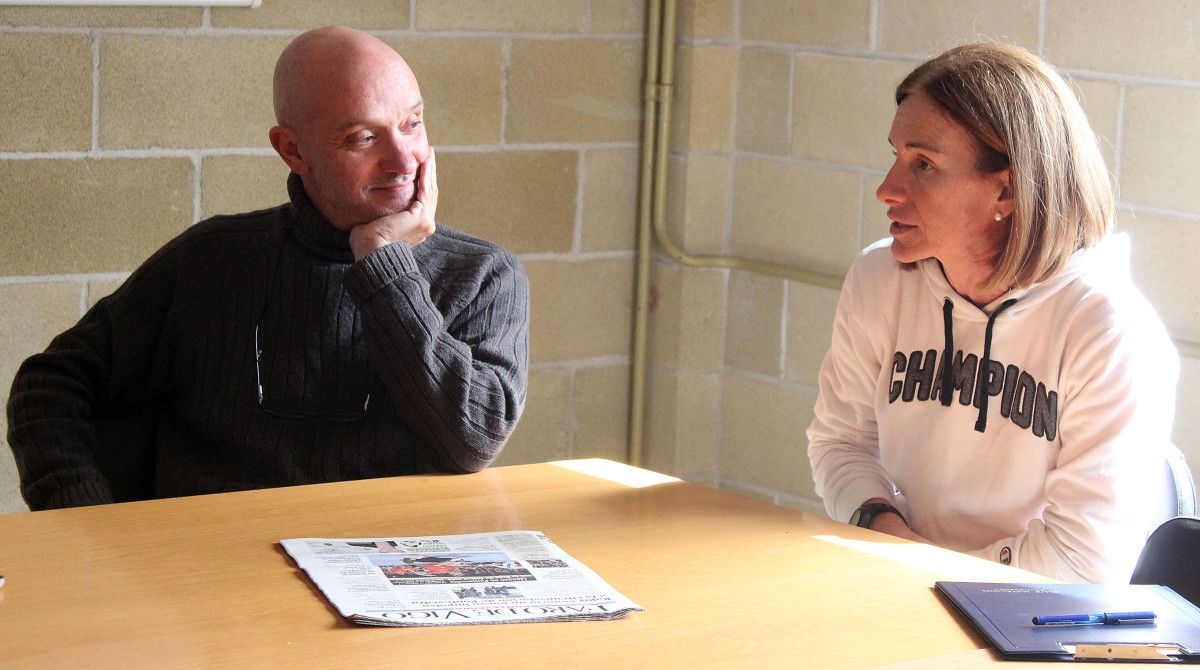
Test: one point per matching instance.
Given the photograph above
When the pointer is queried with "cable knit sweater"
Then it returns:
(408, 361)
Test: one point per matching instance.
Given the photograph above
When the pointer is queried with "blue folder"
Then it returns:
(1004, 614)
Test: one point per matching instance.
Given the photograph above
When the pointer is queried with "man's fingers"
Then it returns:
(429, 188)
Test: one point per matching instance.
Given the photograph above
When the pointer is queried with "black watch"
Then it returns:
(867, 511)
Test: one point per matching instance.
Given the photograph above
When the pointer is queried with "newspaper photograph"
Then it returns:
(505, 577)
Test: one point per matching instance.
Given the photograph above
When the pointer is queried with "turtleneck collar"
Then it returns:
(313, 231)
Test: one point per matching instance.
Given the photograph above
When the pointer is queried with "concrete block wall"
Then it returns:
(122, 126)
(779, 141)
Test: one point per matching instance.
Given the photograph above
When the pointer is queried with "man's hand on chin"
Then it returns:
(411, 226)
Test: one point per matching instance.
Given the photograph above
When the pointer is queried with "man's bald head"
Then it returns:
(333, 60)
(351, 124)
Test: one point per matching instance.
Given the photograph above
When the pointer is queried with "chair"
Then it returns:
(1180, 479)
(1169, 558)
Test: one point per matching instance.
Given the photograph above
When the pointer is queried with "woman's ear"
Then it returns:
(287, 146)
(1005, 202)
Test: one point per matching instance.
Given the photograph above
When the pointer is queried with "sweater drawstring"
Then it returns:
(985, 365)
(948, 352)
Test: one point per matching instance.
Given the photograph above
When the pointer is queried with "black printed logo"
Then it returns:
(1023, 400)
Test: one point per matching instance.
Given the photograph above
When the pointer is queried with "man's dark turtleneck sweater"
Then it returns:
(154, 392)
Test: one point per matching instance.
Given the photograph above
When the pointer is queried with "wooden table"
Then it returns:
(726, 581)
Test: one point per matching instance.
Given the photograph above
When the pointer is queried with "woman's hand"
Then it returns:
(892, 524)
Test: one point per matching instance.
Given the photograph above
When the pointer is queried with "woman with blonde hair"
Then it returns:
(996, 384)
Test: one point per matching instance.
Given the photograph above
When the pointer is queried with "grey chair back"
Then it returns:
(1169, 558)
(1180, 479)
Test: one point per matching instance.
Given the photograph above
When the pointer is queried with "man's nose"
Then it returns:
(398, 156)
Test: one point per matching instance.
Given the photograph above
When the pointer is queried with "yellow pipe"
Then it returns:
(666, 75)
(656, 126)
(641, 273)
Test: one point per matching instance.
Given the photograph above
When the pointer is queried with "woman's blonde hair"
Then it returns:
(1025, 117)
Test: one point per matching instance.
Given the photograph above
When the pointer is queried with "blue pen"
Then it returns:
(1099, 618)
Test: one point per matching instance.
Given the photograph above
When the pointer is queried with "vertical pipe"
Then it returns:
(641, 280)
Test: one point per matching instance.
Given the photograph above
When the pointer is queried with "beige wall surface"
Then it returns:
(122, 126)
(780, 141)
(150, 119)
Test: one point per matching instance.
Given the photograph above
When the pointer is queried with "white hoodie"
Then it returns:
(1062, 474)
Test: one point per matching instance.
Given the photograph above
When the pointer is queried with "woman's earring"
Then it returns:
(999, 216)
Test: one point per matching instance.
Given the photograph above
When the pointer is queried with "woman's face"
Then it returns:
(941, 206)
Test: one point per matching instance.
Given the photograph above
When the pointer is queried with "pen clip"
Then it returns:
(1124, 652)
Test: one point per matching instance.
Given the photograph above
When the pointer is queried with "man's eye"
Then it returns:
(361, 138)
(923, 165)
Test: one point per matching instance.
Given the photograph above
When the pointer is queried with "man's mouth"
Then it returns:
(393, 187)
(393, 184)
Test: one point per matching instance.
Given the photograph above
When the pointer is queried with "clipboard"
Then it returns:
(1004, 613)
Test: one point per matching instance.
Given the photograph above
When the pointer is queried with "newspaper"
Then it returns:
(506, 577)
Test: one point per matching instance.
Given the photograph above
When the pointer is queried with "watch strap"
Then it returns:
(867, 511)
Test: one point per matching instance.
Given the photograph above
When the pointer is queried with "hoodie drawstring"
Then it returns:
(986, 363)
(948, 353)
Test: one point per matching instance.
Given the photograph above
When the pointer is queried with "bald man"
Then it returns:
(341, 335)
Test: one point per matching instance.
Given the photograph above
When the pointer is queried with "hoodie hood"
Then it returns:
(1106, 262)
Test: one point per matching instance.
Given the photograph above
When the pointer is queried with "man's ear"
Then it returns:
(286, 145)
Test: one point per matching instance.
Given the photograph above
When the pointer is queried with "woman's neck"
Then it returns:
(968, 280)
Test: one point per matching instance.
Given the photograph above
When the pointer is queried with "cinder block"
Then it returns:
(460, 83)
(754, 323)
(1161, 126)
(704, 18)
(1163, 267)
(102, 17)
(523, 200)
(1101, 101)
(107, 215)
(810, 311)
(46, 93)
(186, 92)
(575, 91)
(843, 107)
(502, 15)
(580, 309)
(698, 207)
(681, 424)
(305, 14)
(546, 427)
(1152, 40)
(610, 199)
(702, 103)
(764, 443)
(687, 320)
(1187, 414)
(764, 104)
(602, 413)
(33, 315)
(97, 289)
(845, 24)
(797, 216)
(235, 184)
(618, 16)
(929, 27)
